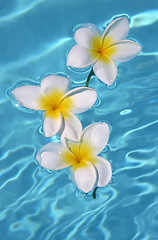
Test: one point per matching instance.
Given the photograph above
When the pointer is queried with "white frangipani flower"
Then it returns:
(87, 169)
(59, 105)
(101, 50)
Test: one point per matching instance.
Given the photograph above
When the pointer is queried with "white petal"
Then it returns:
(117, 30)
(72, 128)
(82, 98)
(96, 135)
(52, 161)
(28, 96)
(55, 82)
(84, 177)
(54, 156)
(83, 36)
(104, 170)
(80, 57)
(52, 123)
(125, 50)
(55, 148)
(106, 71)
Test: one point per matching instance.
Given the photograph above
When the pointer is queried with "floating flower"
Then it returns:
(87, 169)
(101, 51)
(60, 107)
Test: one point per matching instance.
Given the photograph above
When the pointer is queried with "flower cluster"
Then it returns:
(79, 149)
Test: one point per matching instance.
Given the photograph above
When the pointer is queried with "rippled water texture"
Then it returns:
(35, 37)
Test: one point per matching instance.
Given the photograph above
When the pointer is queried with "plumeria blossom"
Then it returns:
(59, 106)
(86, 167)
(102, 50)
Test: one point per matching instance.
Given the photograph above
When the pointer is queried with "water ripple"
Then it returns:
(144, 19)
(18, 10)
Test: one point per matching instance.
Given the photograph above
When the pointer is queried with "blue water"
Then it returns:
(35, 37)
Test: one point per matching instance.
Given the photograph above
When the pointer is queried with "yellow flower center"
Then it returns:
(53, 103)
(101, 49)
(78, 155)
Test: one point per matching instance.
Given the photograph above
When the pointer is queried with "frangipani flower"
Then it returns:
(87, 169)
(58, 105)
(101, 51)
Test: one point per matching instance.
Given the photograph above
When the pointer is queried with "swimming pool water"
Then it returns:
(35, 37)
